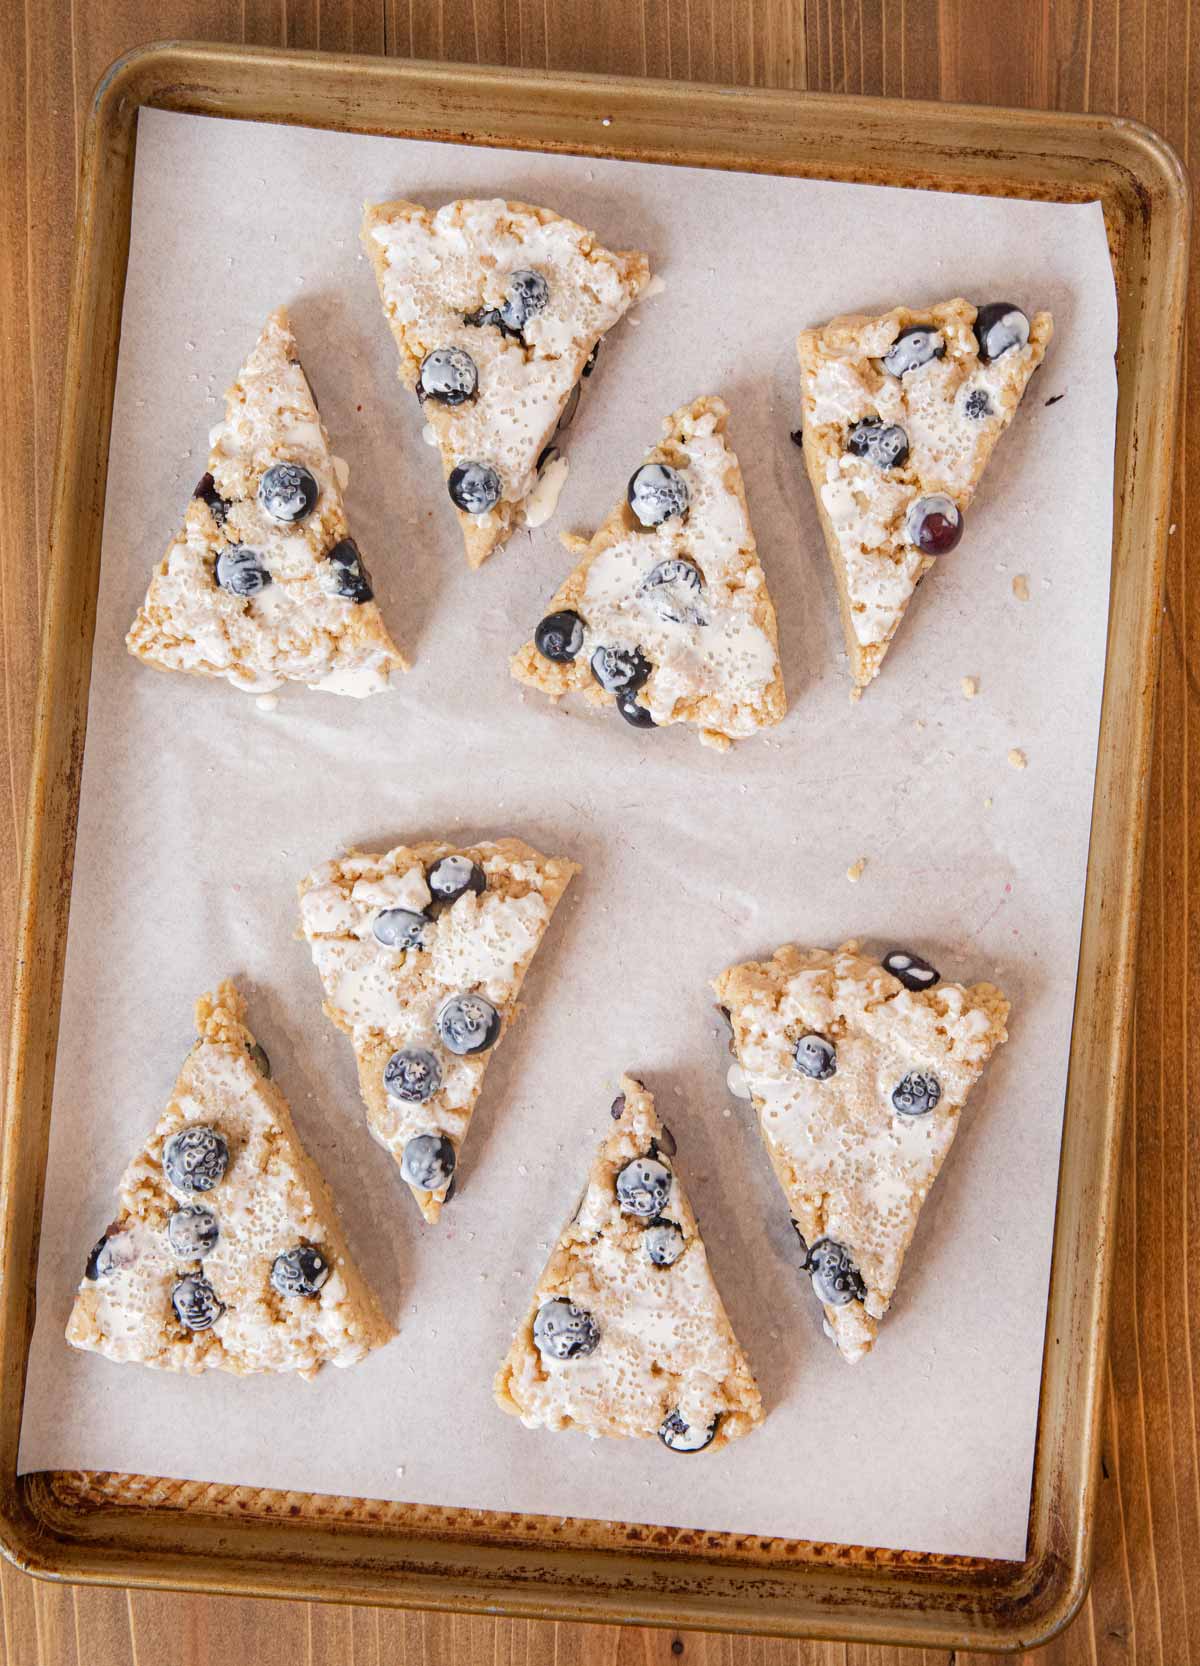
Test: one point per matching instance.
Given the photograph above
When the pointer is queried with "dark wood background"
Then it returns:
(1140, 58)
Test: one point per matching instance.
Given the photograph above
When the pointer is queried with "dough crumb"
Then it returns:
(987, 803)
(1017, 758)
(856, 695)
(1021, 586)
(970, 687)
(855, 871)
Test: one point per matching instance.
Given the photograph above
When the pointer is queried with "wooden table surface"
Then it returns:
(1130, 56)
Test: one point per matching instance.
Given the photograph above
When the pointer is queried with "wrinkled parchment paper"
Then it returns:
(200, 811)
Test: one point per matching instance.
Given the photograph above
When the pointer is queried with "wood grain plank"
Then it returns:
(1137, 57)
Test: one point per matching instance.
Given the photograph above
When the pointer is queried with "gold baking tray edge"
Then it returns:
(137, 1530)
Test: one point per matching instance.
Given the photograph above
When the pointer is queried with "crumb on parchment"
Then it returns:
(1020, 586)
(856, 869)
(970, 687)
(1017, 758)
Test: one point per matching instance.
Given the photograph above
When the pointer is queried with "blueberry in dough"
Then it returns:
(195, 1159)
(634, 713)
(563, 1331)
(559, 636)
(917, 1093)
(674, 590)
(207, 492)
(412, 1075)
(192, 1232)
(679, 1437)
(934, 524)
(620, 670)
(913, 347)
(428, 1162)
(447, 375)
(453, 876)
(101, 1262)
(815, 1057)
(528, 294)
(999, 327)
(288, 492)
(912, 971)
(468, 1024)
(197, 1305)
(643, 1187)
(883, 443)
(344, 573)
(400, 928)
(299, 1272)
(474, 488)
(657, 493)
(663, 1242)
(977, 405)
(241, 571)
(258, 1056)
(835, 1278)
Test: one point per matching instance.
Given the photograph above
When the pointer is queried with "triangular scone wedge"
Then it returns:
(226, 1253)
(900, 414)
(672, 621)
(422, 952)
(264, 585)
(512, 303)
(626, 1334)
(858, 1074)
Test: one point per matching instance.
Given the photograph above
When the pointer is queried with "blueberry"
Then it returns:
(664, 1243)
(241, 571)
(468, 1024)
(193, 1231)
(815, 1057)
(635, 714)
(883, 443)
(559, 636)
(643, 1187)
(674, 590)
(195, 1159)
(412, 1075)
(570, 408)
(344, 573)
(448, 375)
(528, 294)
(977, 405)
(400, 928)
(912, 971)
(299, 1272)
(563, 1331)
(999, 327)
(678, 1436)
(474, 488)
(617, 1109)
(288, 492)
(207, 492)
(428, 1162)
(917, 1093)
(656, 493)
(912, 348)
(258, 1056)
(934, 524)
(620, 670)
(197, 1305)
(102, 1261)
(452, 876)
(835, 1278)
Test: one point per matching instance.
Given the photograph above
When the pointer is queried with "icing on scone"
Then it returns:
(901, 414)
(667, 616)
(264, 585)
(497, 309)
(226, 1252)
(626, 1334)
(858, 1071)
(421, 952)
